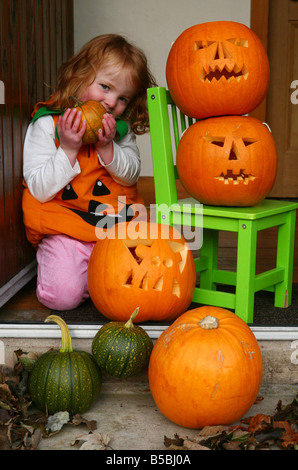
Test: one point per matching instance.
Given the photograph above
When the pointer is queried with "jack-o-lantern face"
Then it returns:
(93, 208)
(155, 274)
(217, 68)
(229, 160)
(221, 60)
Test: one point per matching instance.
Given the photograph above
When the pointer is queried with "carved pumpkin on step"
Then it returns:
(227, 161)
(217, 68)
(145, 265)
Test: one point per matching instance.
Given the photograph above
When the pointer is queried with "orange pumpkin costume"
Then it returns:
(83, 204)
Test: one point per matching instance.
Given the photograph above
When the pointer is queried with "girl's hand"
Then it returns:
(109, 131)
(104, 146)
(69, 133)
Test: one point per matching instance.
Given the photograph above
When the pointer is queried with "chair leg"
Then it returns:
(210, 250)
(284, 258)
(246, 267)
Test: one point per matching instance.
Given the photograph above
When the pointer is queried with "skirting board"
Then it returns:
(17, 282)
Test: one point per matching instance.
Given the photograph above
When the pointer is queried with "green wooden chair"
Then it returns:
(167, 124)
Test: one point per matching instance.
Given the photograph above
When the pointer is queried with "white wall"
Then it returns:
(152, 25)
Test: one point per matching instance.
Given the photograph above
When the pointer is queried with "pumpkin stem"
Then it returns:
(129, 323)
(209, 322)
(66, 342)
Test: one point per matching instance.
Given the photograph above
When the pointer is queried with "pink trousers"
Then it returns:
(62, 271)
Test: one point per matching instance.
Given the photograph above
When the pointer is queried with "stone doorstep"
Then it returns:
(279, 345)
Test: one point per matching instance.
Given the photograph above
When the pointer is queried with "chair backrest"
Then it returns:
(167, 124)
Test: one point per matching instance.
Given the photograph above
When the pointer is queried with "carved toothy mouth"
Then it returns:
(218, 73)
(231, 178)
(142, 279)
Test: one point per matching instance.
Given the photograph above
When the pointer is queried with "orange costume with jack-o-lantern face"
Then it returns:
(93, 199)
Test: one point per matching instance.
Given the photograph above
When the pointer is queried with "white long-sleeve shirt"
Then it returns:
(47, 169)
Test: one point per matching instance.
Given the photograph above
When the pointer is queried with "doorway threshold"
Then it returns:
(84, 331)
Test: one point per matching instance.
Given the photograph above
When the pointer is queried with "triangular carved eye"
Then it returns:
(248, 142)
(69, 193)
(239, 42)
(203, 44)
(219, 141)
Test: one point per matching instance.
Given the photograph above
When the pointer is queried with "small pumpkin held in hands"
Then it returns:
(64, 380)
(122, 349)
(92, 113)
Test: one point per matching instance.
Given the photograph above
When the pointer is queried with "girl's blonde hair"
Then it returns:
(81, 70)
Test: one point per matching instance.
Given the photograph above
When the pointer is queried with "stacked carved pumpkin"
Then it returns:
(217, 72)
(206, 368)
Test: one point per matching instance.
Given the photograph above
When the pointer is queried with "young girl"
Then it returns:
(72, 188)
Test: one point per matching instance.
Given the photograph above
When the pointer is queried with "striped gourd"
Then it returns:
(64, 380)
(122, 349)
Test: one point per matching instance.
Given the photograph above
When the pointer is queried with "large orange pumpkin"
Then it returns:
(143, 265)
(205, 369)
(217, 68)
(227, 160)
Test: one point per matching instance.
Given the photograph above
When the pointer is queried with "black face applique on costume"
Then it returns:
(98, 214)
(100, 189)
(69, 193)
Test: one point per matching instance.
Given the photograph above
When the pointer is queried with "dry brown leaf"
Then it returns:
(92, 441)
(78, 419)
(210, 431)
(192, 445)
(177, 441)
(253, 433)
(5, 416)
(5, 393)
(232, 445)
(36, 438)
(174, 447)
(258, 399)
(259, 422)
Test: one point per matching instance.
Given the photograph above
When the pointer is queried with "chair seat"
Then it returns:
(265, 208)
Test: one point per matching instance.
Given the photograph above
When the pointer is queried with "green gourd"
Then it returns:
(122, 349)
(64, 380)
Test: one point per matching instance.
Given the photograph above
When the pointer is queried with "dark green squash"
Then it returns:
(122, 349)
(64, 380)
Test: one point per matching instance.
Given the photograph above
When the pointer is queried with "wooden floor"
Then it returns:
(25, 302)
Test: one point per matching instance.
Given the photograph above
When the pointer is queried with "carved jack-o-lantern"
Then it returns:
(143, 265)
(217, 68)
(228, 160)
